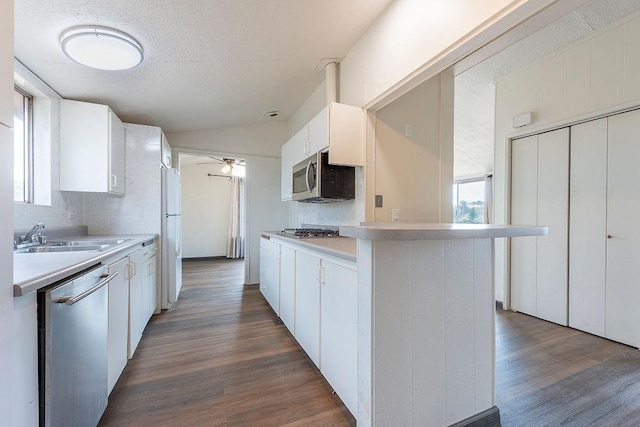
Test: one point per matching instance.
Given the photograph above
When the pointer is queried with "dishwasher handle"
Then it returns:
(106, 278)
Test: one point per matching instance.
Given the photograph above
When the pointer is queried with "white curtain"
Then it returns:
(488, 199)
(235, 240)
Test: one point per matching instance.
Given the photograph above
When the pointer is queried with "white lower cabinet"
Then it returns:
(136, 326)
(148, 289)
(307, 305)
(288, 287)
(319, 305)
(118, 321)
(339, 330)
(270, 273)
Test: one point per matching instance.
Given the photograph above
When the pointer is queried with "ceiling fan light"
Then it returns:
(102, 48)
(226, 168)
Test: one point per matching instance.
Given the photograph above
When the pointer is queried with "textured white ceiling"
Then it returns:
(475, 92)
(208, 63)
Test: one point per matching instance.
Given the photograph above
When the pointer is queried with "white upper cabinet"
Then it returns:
(300, 145)
(167, 157)
(92, 148)
(340, 128)
(6, 67)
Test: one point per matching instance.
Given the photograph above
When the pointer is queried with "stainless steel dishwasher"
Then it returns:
(72, 346)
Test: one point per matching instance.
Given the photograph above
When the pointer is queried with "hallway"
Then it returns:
(220, 357)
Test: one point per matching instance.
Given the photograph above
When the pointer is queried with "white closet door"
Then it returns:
(588, 230)
(623, 248)
(524, 196)
(553, 211)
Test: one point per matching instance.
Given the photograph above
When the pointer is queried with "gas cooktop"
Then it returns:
(310, 232)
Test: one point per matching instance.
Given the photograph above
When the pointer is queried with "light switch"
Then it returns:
(378, 200)
(395, 215)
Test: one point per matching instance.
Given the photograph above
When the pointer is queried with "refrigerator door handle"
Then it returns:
(168, 215)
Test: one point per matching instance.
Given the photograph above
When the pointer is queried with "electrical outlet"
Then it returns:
(71, 212)
(395, 215)
(378, 200)
(408, 130)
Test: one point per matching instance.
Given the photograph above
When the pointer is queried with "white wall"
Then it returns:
(59, 208)
(595, 76)
(205, 211)
(410, 169)
(139, 210)
(259, 145)
(6, 218)
(416, 36)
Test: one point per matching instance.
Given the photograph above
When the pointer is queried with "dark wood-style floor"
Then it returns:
(220, 357)
(550, 375)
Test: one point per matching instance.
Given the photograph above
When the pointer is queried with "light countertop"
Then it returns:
(423, 231)
(32, 271)
(341, 247)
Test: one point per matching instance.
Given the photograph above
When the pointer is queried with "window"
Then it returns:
(22, 147)
(468, 201)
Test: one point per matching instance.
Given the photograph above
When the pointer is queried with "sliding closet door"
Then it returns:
(588, 230)
(553, 211)
(524, 211)
(623, 216)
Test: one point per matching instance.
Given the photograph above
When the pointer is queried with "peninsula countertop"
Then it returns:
(32, 271)
(341, 247)
(425, 231)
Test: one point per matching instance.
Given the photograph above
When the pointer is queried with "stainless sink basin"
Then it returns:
(82, 243)
(46, 248)
(71, 246)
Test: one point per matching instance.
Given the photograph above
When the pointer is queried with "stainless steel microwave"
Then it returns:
(316, 181)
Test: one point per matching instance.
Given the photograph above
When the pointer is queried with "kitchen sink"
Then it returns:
(71, 246)
(47, 248)
(83, 243)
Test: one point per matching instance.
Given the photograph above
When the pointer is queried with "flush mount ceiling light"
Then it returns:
(101, 47)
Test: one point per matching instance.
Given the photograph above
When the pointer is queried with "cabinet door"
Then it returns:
(301, 145)
(588, 230)
(346, 135)
(623, 248)
(152, 275)
(286, 178)
(553, 210)
(118, 322)
(135, 301)
(319, 131)
(287, 286)
(116, 154)
(307, 311)
(524, 211)
(339, 331)
(270, 273)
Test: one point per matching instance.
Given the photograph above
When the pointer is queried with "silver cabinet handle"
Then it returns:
(106, 278)
(114, 181)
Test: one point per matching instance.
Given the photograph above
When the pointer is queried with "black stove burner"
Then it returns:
(310, 232)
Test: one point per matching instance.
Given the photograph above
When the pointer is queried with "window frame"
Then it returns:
(456, 193)
(28, 189)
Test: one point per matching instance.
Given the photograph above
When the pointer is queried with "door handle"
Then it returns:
(106, 278)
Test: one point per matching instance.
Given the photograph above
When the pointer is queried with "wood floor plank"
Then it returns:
(551, 375)
(220, 357)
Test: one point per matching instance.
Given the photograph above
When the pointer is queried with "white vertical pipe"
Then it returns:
(332, 89)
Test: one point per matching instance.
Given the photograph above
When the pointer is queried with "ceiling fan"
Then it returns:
(229, 164)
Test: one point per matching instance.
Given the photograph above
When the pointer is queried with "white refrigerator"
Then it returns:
(171, 238)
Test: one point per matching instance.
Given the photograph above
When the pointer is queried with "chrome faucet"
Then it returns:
(33, 236)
